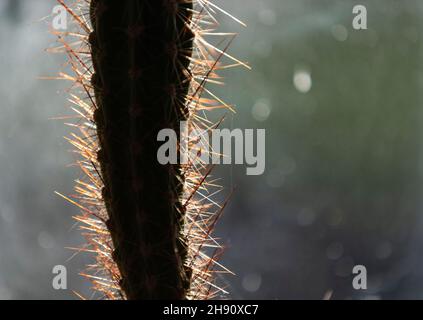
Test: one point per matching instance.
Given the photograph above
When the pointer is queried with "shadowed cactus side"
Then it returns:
(140, 52)
(139, 67)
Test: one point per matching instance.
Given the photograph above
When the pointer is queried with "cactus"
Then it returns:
(139, 66)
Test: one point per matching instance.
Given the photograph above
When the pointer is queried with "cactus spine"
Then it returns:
(139, 66)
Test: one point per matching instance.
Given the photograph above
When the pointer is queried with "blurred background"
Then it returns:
(344, 166)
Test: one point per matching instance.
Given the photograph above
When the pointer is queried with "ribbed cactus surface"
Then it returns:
(140, 53)
(137, 67)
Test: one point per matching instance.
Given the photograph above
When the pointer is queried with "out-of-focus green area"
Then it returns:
(342, 112)
(342, 109)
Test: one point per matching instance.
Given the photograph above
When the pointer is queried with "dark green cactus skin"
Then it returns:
(140, 51)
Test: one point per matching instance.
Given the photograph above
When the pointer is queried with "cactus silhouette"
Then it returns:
(137, 67)
(140, 52)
